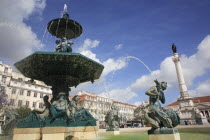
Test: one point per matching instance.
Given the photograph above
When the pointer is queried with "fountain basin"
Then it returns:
(53, 67)
(62, 27)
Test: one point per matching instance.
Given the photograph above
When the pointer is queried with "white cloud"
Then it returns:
(40, 5)
(118, 47)
(90, 55)
(110, 64)
(88, 44)
(138, 103)
(201, 90)
(85, 49)
(122, 95)
(145, 81)
(17, 40)
(192, 67)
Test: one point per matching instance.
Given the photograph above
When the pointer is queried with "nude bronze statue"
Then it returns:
(155, 115)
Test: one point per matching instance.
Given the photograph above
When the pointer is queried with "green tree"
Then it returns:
(23, 112)
(3, 97)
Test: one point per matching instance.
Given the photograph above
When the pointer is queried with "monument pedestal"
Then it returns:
(56, 133)
(164, 134)
(201, 120)
(113, 132)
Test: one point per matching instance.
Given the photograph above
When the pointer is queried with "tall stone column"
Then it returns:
(181, 81)
(186, 105)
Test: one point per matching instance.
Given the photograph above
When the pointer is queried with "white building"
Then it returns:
(100, 105)
(5, 74)
(202, 103)
(20, 90)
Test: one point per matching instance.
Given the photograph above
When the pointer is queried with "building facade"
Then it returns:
(5, 74)
(126, 111)
(202, 103)
(22, 91)
(100, 105)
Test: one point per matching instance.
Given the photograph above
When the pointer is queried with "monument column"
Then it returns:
(184, 95)
(186, 105)
(181, 81)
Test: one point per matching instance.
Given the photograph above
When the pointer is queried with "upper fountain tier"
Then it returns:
(64, 27)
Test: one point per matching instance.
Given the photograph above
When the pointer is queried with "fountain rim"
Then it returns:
(58, 53)
(68, 21)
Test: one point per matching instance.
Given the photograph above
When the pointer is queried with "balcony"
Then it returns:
(5, 73)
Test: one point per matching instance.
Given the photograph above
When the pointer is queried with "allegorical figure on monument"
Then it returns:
(63, 45)
(43, 112)
(112, 119)
(59, 108)
(73, 105)
(63, 108)
(155, 115)
(39, 114)
(174, 48)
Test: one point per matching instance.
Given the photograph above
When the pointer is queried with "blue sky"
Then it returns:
(143, 28)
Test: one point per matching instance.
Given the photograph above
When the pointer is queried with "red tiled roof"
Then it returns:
(201, 99)
(195, 100)
(124, 103)
(173, 104)
(81, 98)
(91, 93)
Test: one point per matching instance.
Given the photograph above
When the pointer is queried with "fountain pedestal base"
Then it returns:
(164, 134)
(56, 133)
(27, 134)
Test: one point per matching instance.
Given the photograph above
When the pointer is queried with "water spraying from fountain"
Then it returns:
(65, 8)
(107, 87)
(43, 35)
(66, 27)
(128, 57)
(58, 27)
(47, 40)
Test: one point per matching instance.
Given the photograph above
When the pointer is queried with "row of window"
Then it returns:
(98, 99)
(14, 90)
(3, 79)
(27, 104)
(6, 69)
(104, 106)
(29, 85)
(2, 88)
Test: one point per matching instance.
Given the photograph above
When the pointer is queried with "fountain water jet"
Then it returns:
(128, 57)
(44, 35)
(65, 8)
(116, 68)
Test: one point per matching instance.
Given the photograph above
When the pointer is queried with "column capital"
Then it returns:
(175, 57)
